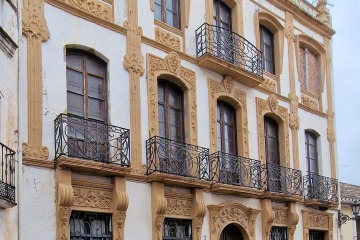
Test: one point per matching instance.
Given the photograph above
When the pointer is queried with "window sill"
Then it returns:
(173, 30)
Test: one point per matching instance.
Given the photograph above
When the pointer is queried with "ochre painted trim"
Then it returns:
(168, 39)
(316, 220)
(171, 68)
(35, 162)
(280, 114)
(232, 213)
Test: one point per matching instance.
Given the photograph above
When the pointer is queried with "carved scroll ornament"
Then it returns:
(168, 39)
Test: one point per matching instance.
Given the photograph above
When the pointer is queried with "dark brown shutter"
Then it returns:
(226, 121)
(271, 141)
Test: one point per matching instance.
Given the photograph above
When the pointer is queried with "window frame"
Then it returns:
(217, 18)
(307, 146)
(163, 13)
(226, 106)
(264, 30)
(267, 123)
(305, 70)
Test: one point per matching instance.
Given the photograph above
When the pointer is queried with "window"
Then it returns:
(170, 111)
(88, 225)
(309, 71)
(311, 152)
(168, 11)
(271, 141)
(278, 233)
(316, 235)
(222, 15)
(86, 106)
(226, 128)
(267, 48)
(177, 229)
(231, 232)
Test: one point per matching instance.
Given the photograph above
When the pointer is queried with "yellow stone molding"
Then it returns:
(272, 23)
(294, 120)
(324, 13)
(198, 212)
(133, 63)
(310, 101)
(168, 39)
(38, 162)
(179, 204)
(35, 29)
(184, 12)
(232, 213)
(316, 220)
(170, 67)
(80, 195)
(226, 91)
(270, 84)
(236, 14)
(102, 9)
(158, 209)
(280, 115)
(267, 217)
(280, 217)
(330, 111)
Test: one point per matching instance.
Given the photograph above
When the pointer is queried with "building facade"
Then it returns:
(349, 194)
(154, 119)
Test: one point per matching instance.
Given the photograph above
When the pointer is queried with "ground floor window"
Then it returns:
(231, 232)
(278, 233)
(89, 225)
(177, 229)
(316, 235)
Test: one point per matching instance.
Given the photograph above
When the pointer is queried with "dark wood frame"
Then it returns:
(222, 107)
(263, 31)
(176, 10)
(268, 122)
(307, 145)
(216, 5)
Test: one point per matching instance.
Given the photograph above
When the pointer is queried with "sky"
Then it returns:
(346, 66)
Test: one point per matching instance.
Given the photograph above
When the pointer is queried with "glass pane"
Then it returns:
(96, 109)
(157, 12)
(74, 81)
(75, 104)
(225, 15)
(171, 5)
(74, 61)
(161, 94)
(96, 87)
(95, 67)
(219, 136)
(161, 119)
(170, 18)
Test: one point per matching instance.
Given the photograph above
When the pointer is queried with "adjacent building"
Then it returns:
(349, 194)
(158, 119)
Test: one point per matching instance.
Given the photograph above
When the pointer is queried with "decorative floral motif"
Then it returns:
(318, 221)
(173, 62)
(228, 83)
(273, 102)
(97, 8)
(269, 84)
(92, 198)
(167, 39)
(280, 217)
(310, 102)
(179, 207)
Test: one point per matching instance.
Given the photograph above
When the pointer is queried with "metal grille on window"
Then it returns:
(92, 226)
(177, 229)
(278, 233)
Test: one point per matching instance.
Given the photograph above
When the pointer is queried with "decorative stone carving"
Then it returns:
(35, 29)
(92, 198)
(120, 221)
(179, 207)
(269, 84)
(65, 194)
(310, 102)
(226, 89)
(133, 63)
(330, 130)
(317, 220)
(171, 65)
(168, 39)
(271, 105)
(294, 118)
(280, 217)
(97, 8)
(63, 227)
(222, 215)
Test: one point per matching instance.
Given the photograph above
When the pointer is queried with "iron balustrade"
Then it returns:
(321, 188)
(281, 179)
(236, 170)
(228, 46)
(92, 140)
(177, 158)
(7, 177)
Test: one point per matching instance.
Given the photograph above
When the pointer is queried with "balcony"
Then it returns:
(320, 190)
(227, 53)
(177, 163)
(7, 177)
(282, 183)
(236, 175)
(91, 146)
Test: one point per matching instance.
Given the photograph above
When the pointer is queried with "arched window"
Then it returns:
(311, 152)
(231, 232)
(267, 48)
(170, 111)
(226, 128)
(271, 141)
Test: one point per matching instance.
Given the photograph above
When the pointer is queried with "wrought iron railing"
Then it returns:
(281, 179)
(89, 225)
(236, 170)
(92, 140)
(321, 188)
(7, 170)
(228, 46)
(177, 158)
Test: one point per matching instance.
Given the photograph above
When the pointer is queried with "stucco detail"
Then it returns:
(272, 108)
(36, 31)
(318, 221)
(133, 62)
(232, 213)
(185, 78)
(168, 39)
(225, 90)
